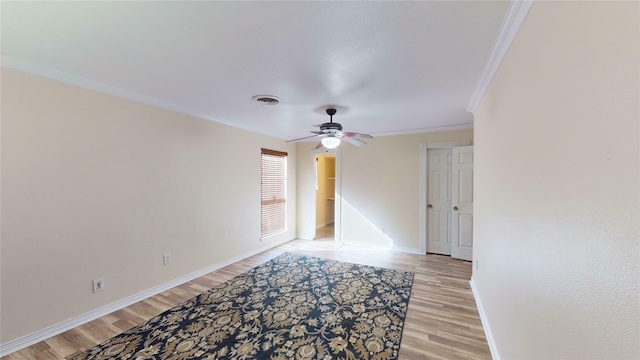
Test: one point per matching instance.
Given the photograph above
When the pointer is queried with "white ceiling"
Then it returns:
(389, 67)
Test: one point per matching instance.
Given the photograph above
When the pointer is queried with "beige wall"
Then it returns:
(98, 186)
(557, 212)
(380, 188)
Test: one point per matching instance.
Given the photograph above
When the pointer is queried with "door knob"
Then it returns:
(429, 206)
(455, 208)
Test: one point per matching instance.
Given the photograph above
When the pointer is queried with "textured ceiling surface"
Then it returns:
(388, 67)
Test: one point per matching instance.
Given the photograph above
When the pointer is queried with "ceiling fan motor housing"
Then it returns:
(331, 134)
(331, 126)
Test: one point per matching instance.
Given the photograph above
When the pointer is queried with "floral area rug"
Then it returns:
(291, 307)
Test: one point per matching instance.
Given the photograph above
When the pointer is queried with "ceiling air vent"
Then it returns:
(266, 99)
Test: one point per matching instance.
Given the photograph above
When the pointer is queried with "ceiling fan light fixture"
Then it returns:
(266, 99)
(330, 142)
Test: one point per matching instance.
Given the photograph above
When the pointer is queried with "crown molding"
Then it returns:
(426, 130)
(54, 74)
(517, 12)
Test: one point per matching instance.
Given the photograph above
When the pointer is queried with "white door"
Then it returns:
(439, 201)
(462, 203)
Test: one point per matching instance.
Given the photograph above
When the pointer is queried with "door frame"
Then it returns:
(337, 211)
(424, 171)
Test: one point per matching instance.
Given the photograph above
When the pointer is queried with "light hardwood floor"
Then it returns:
(442, 319)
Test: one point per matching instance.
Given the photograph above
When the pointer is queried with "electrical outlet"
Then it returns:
(477, 262)
(166, 259)
(98, 285)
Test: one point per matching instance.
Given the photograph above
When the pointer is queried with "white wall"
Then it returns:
(98, 186)
(380, 188)
(557, 201)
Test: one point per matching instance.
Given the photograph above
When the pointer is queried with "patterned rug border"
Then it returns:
(286, 315)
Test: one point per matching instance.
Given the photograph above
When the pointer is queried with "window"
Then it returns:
(273, 190)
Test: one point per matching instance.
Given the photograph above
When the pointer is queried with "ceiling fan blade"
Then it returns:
(318, 146)
(302, 138)
(358, 135)
(353, 141)
(317, 132)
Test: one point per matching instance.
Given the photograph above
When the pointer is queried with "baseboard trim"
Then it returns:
(300, 237)
(485, 322)
(407, 250)
(40, 335)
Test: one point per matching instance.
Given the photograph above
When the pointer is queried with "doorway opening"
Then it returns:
(325, 186)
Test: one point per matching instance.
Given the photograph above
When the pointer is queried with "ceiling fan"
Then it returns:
(331, 134)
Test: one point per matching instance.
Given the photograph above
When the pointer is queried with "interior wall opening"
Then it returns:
(325, 186)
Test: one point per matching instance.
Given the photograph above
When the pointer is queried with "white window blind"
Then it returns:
(273, 209)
